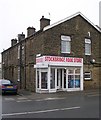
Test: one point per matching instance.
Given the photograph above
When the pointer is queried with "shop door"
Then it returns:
(74, 78)
(59, 79)
(44, 79)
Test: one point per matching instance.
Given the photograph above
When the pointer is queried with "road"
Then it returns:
(77, 105)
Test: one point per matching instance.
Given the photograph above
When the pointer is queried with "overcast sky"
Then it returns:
(17, 15)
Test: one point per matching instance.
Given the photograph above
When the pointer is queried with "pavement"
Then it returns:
(52, 95)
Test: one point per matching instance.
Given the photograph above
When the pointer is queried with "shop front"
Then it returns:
(55, 73)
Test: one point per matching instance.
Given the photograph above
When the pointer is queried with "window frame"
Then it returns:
(18, 51)
(87, 42)
(66, 39)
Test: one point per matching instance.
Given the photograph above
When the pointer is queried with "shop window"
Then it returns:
(77, 78)
(77, 81)
(58, 77)
(64, 78)
(70, 78)
(65, 44)
(87, 75)
(37, 79)
(44, 80)
(70, 81)
(52, 78)
(77, 71)
(74, 78)
(70, 71)
(87, 46)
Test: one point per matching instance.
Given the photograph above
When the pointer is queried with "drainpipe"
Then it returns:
(25, 63)
(20, 65)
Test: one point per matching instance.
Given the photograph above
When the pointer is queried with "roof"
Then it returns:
(70, 17)
(59, 22)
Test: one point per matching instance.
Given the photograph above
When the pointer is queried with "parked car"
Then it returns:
(7, 86)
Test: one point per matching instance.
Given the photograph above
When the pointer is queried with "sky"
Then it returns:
(17, 15)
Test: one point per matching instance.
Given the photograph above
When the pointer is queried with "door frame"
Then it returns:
(38, 89)
(60, 86)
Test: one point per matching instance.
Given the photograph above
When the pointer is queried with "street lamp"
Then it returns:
(92, 61)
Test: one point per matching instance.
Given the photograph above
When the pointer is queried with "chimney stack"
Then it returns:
(21, 37)
(44, 22)
(30, 31)
(13, 42)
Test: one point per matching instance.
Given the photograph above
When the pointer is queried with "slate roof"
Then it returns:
(70, 17)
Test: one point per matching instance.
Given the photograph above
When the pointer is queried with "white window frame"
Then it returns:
(18, 73)
(23, 52)
(65, 40)
(87, 46)
(19, 52)
(90, 76)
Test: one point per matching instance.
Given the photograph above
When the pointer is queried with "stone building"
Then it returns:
(61, 56)
(0, 71)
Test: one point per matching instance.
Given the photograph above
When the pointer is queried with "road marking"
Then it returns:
(24, 101)
(93, 95)
(43, 111)
(49, 99)
(21, 98)
(11, 99)
(53, 98)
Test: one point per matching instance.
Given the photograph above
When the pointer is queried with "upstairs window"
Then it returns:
(87, 46)
(23, 53)
(19, 52)
(65, 44)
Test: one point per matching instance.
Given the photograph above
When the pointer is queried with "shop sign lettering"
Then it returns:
(55, 59)
(39, 60)
(58, 59)
(62, 59)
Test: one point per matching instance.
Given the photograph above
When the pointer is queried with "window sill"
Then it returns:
(65, 52)
(87, 54)
(87, 79)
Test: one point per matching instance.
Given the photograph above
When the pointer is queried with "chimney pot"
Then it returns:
(13, 42)
(30, 31)
(21, 36)
(44, 22)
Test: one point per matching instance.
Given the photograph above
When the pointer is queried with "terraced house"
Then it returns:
(63, 56)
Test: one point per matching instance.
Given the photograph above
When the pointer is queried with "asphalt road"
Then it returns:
(62, 106)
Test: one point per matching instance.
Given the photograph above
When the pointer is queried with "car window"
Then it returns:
(5, 82)
(0, 82)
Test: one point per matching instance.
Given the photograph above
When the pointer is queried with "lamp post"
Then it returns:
(92, 61)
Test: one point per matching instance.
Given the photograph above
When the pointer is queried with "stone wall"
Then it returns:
(49, 43)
